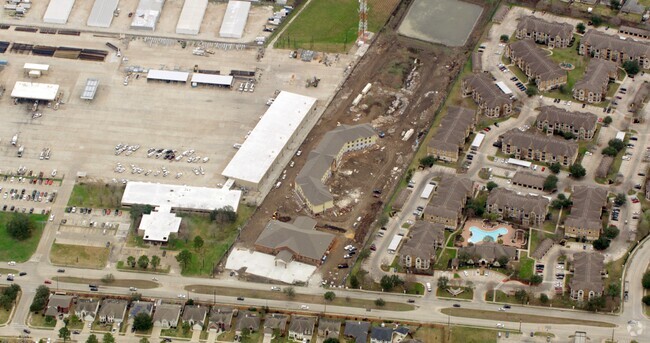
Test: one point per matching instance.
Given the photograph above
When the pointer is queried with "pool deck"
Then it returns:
(507, 238)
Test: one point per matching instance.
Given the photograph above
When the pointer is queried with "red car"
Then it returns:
(48, 282)
(373, 247)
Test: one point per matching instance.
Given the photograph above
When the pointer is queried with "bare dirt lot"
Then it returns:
(411, 92)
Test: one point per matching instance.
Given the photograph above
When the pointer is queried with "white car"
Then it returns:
(465, 272)
(182, 296)
(304, 307)
(52, 217)
(12, 263)
(499, 325)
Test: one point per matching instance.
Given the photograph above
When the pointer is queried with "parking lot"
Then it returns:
(83, 135)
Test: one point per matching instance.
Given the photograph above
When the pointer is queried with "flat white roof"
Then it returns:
(180, 197)
(394, 243)
(234, 20)
(269, 137)
(478, 140)
(90, 89)
(191, 17)
(57, 11)
(211, 79)
(167, 75)
(520, 163)
(102, 13)
(34, 66)
(147, 14)
(502, 86)
(620, 135)
(35, 91)
(157, 226)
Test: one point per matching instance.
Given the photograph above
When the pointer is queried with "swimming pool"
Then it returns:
(478, 234)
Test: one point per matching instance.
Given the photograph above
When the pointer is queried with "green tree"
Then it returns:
(289, 291)
(186, 327)
(601, 243)
(142, 322)
(521, 295)
(108, 338)
(536, 279)
(596, 20)
(577, 171)
(427, 161)
(144, 340)
(64, 333)
(137, 211)
(503, 261)
(616, 144)
(40, 299)
(631, 67)
(329, 296)
(443, 282)
(491, 185)
(620, 199)
(245, 334)
(531, 90)
(615, 4)
(108, 278)
(364, 254)
(607, 120)
(155, 261)
(645, 281)
(561, 202)
(380, 302)
(609, 151)
(543, 298)
(550, 183)
(580, 27)
(92, 339)
(354, 281)
(224, 215)
(143, 262)
(331, 340)
(646, 300)
(614, 290)
(19, 226)
(198, 243)
(596, 303)
(555, 167)
(611, 232)
(184, 257)
(130, 261)
(504, 38)
(386, 283)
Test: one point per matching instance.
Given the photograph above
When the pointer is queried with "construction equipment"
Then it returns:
(313, 82)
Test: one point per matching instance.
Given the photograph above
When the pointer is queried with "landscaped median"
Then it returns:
(144, 284)
(296, 297)
(517, 317)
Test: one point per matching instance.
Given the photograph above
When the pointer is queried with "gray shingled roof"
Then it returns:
(587, 207)
(302, 324)
(421, 239)
(195, 313)
(597, 75)
(483, 84)
(542, 249)
(537, 60)
(382, 334)
(300, 237)
(57, 302)
(529, 179)
(357, 329)
(599, 40)
(113, 308)
(140, 307)
(275, 321)
(221, 315)
(87, 305)
(168, 312)
(451, 133)
(248, 320)
(554, 29)
(526, 140)
(490, 251)
(587, 269)
(632, 29)
(477, 63)
(330, 325)
(524, 202)
(555, 115)
(452, 191)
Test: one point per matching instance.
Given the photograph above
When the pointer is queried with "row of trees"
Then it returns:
(8, 296)
(614, 146)
(143, 262)
(40, 299)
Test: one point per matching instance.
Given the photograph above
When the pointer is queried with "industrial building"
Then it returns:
(183, 198)
(58, 11)
(102, 13)
(35, 91)
(234, 20)
(167, 75)
(212, 80)
(274, 136)
(147, 14)
(191, 17)
(159, 224)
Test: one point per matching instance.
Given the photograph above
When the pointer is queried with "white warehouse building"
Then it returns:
(191, 17)
(147, 14)
(58, 11)
(234, 20)
(278, 134)
(102, 13)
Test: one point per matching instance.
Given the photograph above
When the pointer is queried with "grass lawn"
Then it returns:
(616, 165)
(254, 337)
(79, 256)
(4, 316)
(121, 265)
(526, 265)
(227, 336)
(429, 334)
(304, 298)
(331, 25)
(515, 317)
(569, 55)
(446, 256)
(145, 284)
(19, 251)
(96, 195)
(536, 237)
(178, 332)
(217, 240)
(467, 334)
(468, 294)
(41, 321)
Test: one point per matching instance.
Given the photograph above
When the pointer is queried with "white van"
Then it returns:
(428, 286)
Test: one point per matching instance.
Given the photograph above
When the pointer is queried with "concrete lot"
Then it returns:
(83, 134)
(166, 26)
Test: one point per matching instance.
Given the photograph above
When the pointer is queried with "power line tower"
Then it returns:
(363, 21)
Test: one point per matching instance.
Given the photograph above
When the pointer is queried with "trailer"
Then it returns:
(394, 244)
(110, 45)
(428, 189)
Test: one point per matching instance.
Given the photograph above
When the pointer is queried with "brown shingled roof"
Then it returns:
(587, 207)
(551, 28)
(597, 75)
(536, 59)
(555, 115)
(483, 84)
(525, 140)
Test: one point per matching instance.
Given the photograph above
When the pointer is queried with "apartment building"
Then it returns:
(587, 281)
(446, 207)
(451, 136)
(529, 146)
(592, 88)
(609, 47)
(585, 217)
(536, 64)
(552, 34)
(553, 119)
(491, 101)
(529, 210)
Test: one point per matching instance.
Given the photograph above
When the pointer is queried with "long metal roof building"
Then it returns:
(102, 13)
(234, 20)
(58, 11)
(167, 75)
(191, 17)
(147, 14)
(35, 91)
